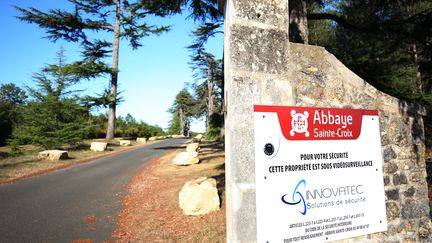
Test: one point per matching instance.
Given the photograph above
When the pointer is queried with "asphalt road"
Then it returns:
(54, 207)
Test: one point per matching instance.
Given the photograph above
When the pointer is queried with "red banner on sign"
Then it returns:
(312, 123)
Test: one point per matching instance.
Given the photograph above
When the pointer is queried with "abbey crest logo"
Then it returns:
(299, 123)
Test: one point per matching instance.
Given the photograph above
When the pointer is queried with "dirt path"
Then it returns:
(151, 211)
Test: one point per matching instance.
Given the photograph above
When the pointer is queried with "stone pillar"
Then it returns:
(256, 50)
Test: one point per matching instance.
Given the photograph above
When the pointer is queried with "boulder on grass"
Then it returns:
(141, 140)
(199, 197)
(53, 155)
(192, 147)
(125, 143)
(198, 138)
(98, 146)
(186, 158)
(152, 139)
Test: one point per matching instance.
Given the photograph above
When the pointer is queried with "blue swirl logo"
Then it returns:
(297, 197)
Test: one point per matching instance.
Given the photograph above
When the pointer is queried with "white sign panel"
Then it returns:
(318, 174)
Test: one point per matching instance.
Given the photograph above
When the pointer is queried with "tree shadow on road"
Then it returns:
(3, 155)
(220, 182)
(170, 147)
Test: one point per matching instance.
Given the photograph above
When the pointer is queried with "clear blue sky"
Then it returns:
(150, 77)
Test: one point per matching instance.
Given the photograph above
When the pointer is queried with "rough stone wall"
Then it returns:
(319, 79)
(261, 67)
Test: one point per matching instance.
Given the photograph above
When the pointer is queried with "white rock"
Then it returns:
(198, 138)
(98, 146)
(141, 140)
(192, 147)
(125, 143)
(177, 136)
(152, 139)
(199, 197)
(53, 155)
(186, 158)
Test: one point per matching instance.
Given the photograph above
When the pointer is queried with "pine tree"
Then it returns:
(211, 19)
(53, 117)
(182, 110)
(174, 124)
(208, 88)
(11, 98)
(123, 19)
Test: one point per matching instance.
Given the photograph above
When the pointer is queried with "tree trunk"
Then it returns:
(114, 77)
(419, 83)
(210, 96)
(418, 72)
(187, 128)
(182, 122)
(298, 27)
(222, 130)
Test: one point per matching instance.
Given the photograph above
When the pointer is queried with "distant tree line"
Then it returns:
(52, 114)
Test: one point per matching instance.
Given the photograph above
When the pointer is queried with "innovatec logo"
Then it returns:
(312, 123)
(305, 199)
(297, 197)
